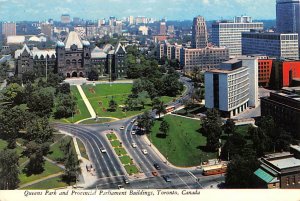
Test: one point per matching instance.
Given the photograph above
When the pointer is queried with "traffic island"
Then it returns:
(123, 156)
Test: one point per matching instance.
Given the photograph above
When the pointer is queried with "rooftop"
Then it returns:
(286, 163)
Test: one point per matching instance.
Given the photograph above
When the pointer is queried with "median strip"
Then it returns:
(123, 156)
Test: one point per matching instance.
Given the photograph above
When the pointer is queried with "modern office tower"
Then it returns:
(203, 59)
(277, 45)
(231, 88)
(199, 33)
(288, 16)
(229, 34)
(65, 19)
(9, 29)
(163, 28)
(112, 20)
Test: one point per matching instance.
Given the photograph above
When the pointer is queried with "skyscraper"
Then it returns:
(288, 16)
(163, 28)
(199, 37)
(9, 29)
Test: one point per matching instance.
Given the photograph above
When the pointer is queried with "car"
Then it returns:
(145, 151)
(125, 179)
(167, 178)
(133, 132)
(154, 173)
(156, 165)
(136, 124)
(134, 145)
(132, 121)
(120, 187)
(103, 150)
(122, 128)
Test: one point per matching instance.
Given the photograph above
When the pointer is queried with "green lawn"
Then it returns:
(100, 95)
(184, 146)
(49, 170)
(48, 184)
(55, 153)
(81, 109)
(125, 160)
(116, 143)
(112, 136)
(120, 151)
(82, 149)
(131, 169)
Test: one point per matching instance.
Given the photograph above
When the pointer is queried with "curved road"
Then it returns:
(109, 169)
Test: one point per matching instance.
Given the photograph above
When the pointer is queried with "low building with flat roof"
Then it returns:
(280, 170)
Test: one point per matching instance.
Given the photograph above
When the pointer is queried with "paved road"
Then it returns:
(110, 171)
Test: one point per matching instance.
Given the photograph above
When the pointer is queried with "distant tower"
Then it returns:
(199, 37)
(163, 27)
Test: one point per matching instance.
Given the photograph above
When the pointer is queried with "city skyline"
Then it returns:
(171, 9)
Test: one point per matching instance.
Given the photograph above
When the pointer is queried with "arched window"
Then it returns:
(42, 57)
(80, 61)
(68, 62)
(74, 62)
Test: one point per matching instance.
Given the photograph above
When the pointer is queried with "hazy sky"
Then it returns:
(15, 10)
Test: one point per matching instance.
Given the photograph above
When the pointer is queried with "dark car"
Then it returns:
(125, 179)
(156, 165)
(167, 178)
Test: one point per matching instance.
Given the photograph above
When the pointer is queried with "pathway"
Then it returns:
(86, 102)
(40, 180)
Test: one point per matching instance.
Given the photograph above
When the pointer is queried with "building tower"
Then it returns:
(288, 16)
(163, 27)
(199, 35)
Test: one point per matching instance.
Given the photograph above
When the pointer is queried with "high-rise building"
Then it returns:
(229, 34)
(232, 88)
(65, 19)
(9, 29)
(163, 28)
(199, 34)
(131, 20)
(277, 45)
(288, 16)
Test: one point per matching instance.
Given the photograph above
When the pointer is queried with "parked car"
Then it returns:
(167, 178)
(125, 179)
(133, 132)
(122, 128)
(145, 151)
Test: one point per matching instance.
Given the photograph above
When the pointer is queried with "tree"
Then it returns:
(14, 79)
(65, 106)
(93, 74)
(261, 142)
(198, 95)
(9, 170)
(35, 152)
(142, 98)
(188, 104)
(54, 79)
(42, 102)
(240, 170)
(234, 144)
(72, 167)
(171, 85)
(113, 105)
(229, 127)
(159, 107)
(164, 127)
(39, 130)
(14, 94)
(29, 76)
(63, 88)
(145, 121)
(212, 129)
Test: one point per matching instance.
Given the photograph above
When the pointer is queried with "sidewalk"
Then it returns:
(40, 180)
(86, 101)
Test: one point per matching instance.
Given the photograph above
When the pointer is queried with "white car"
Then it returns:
(103, 150)
(133, 132)
(132, 121)
(134, 145)
(136, 123)
(145, 151)
(122, 128)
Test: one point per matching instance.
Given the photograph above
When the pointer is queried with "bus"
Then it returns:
(170, 109)
(214, 169)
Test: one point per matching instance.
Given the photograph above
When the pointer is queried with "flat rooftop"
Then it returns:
(286, 162)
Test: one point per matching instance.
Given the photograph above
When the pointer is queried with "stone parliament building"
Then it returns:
(73, 58)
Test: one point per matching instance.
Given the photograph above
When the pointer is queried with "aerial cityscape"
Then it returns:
(149, 95)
